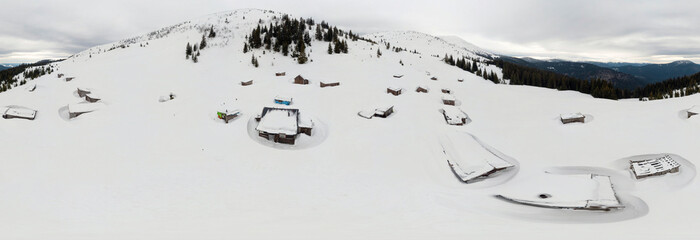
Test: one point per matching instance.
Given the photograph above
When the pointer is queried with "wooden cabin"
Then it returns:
(301, 80)
(68, 79)
(83, 91)
(433, 78)
(394, 90)
(228, 116)
(91, 97)
(398, 76)
(446, 90)
(454, 116)
(384, 112)
(60, 75)
(654, 167)
(695, 110)
(247, 83)
(282, 125)
(19, 112)
(448, 99)
(333, 84)
(281, 74)
(572, 118)
(77, 109)
(460, 80)
(422, 89)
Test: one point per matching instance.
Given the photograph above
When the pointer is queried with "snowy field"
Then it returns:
(139, 168)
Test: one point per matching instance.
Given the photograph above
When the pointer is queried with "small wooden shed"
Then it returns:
(384, 112)
(68, 79)
(394, 90)
(454, 116)
(333, 84)
(695, 110)
(77, 109)
(448, 99)
(83, 91)
(422, 89)
(460, 80)
(91, 97)
(434, 78)
(446, 90)
(228, 116)
(301, 80)
(19, 112)
(398, 76)
(280, 74)
(60, 75)
(247, 83)
(572, 118)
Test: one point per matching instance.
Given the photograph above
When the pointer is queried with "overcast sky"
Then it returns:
(602, 30)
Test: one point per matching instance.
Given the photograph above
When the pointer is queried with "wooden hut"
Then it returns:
(91, 97)
(572, 118)
(394, 90)
(446, 90)
(31, 88)
(19, 112)
(282, 125)
(434, 78)
(422, 89)
(60, 75)
(333, 84)
(83, 91)
(306, 124)
(448, 99)
(68, 79)
(77, 109)
(460, 80)
(247, 83)
(695, 110)
(398, 76)
(301, 80)
(654, 167)
(280, 74)
(228, 116)
(384, 112)
(454, 116)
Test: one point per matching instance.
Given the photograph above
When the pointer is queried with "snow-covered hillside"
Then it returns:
(142, 168)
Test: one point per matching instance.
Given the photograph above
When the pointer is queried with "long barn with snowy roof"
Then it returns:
(282, 125)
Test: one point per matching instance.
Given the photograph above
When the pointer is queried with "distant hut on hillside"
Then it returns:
(91, 97)
(448, 99)
(398, 76)
(284, 100)
(83, 91)
(247, 83)
(422, 89)
(434, 78)
(446, 90)
(280, 74)
(60, 75)
(68, 79)
(301, 80)
(394, 90)
(228, 116)
(384, 111)
(77, 109)
(654, 167)
(333, 84)
(460, 80)
(282, 125)
(454, 116)
(31, 88)
(19, 112)
(572, 118)
(306, 124)
(695, 110)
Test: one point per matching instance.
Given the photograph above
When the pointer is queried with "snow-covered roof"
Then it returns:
(84, 89)
(448, 97)
(20, 112)
(571, 115)
(367, 113)
(305, 121)
(469, 159)
(694, 109)
(283, 98)
(93, 95)
(279, 120)
(83, 107)
(454, 115)
(394, 88)
(381, 110)
(589, 191)
(423, 86)
(648, 167)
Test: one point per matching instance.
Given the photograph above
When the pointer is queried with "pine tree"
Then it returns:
(379, 53)
(330, 49)
(319, 34)
(212, 34)
(188, 51)
(203, 44)
(254, 61)
(245, 47)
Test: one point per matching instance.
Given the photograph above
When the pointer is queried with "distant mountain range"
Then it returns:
(623, 75)
(4, 66)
